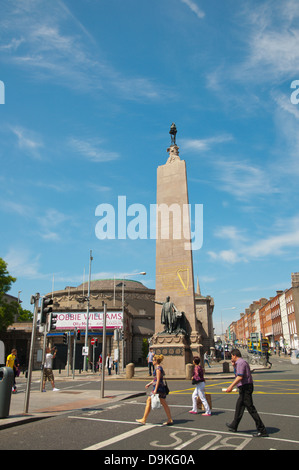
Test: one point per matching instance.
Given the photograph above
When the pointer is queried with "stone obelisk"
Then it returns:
(174, 266)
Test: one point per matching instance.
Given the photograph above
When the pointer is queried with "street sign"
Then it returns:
(85, 351)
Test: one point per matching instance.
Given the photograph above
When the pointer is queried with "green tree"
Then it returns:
(8, 310)
(24, 315)
(5, 279)
(145, 349)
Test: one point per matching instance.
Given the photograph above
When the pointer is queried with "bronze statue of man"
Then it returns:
(173, 132)
(168, 315)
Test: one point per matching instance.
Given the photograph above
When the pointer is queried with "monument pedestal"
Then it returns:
(178, 350)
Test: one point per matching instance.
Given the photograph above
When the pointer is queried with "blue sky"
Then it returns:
(91, 89)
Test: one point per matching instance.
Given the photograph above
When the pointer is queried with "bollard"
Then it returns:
(130, 369)
(225, 367)
(6, 384)
(189, 371)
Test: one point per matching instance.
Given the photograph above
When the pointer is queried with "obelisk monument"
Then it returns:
(176, 335)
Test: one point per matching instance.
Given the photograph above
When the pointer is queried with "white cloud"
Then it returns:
(195, 8)
(53, 219)
(270, 35)
(22, 263)
(91, 150)
(199, 145)
(28, 141)
(274, 245)
(230, 233)
(244, 250)
(244, 179)
(16, 208)
(228, 256)
(38, 33)
(238, 177)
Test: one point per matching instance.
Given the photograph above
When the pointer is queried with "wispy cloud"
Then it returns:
(49, 224)
(52, 223)
(272, 41)
(198, 145)
(18, 208)
(231, 233)
(237, 176)
(28, 141)
(244, 180)
(40, 38)
(23, 263)
(285, 236)
(92, 150)
(195, 8)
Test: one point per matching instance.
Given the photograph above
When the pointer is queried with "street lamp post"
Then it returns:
(87, 312)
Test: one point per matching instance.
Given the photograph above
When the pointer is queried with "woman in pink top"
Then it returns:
(199, 382)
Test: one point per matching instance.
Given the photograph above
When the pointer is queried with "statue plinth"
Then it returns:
(176, 352)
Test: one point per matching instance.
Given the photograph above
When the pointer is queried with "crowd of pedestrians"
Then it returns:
(243, 381)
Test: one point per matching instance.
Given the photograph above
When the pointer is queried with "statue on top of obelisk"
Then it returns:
(173, 133)
(173, 150)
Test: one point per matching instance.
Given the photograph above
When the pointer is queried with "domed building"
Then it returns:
(130, 296)
(130, 311)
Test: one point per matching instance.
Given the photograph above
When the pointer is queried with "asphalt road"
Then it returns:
(112, 427)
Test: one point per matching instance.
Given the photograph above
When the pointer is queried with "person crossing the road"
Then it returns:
(159, 388)
(199, 391)
(244, 382)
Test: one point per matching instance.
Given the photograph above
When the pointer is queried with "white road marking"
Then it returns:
(220, 409)
(120, 437)
(141, 428)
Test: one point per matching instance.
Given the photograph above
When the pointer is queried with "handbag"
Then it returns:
(209, 400)
(156, 404)
(195, 382)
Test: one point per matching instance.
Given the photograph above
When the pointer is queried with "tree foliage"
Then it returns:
(9, 310)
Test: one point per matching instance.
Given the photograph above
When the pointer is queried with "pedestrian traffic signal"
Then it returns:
(53, 320)
(45, 309)
(78, 335)
(64, 338)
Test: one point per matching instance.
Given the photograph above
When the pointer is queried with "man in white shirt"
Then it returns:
(48, 366)
(150, 358)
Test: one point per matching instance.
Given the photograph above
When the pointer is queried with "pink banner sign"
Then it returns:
(72, 320)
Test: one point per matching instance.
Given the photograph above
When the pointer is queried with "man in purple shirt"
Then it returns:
(244, 382)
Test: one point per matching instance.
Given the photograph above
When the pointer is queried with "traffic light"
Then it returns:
(53, 320)
(64, 338)
(45, 309)
(78, 335)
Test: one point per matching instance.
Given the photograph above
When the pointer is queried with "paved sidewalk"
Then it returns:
(45, 405)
